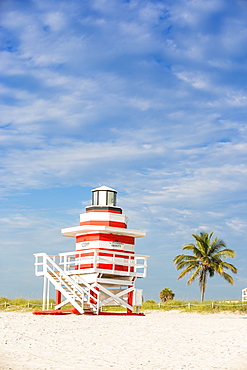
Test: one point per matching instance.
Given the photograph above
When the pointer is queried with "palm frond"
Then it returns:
(186, 271)
(194, 275)
(211, 234)
(229, 266)
(197, 252)
(217, 267)
(189, 246)
(182, 257)
(217, 246)
(225, 253)
(186, 263)
(203, 243)
(228, 278)
(211, 272)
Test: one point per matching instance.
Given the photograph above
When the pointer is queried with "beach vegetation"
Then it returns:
(166, 294)
(30, 305)
(22, 304)
(151, 301)
(195, 306)
(206, 260)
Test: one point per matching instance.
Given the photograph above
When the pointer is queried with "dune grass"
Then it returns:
(21, 304)
(195, 306)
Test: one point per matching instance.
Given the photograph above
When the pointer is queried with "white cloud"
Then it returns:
(237, 225)
(146, 97)
(197, 80)
(237, 99)
(55, 20)
(192, 12)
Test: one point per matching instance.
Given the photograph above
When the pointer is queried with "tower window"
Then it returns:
(95, 198)
(111, 198)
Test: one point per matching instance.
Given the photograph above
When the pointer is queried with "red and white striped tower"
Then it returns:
(104, 264)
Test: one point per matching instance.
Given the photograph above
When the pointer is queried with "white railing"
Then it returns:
(46, 266)
(99, 260)
(43, 263)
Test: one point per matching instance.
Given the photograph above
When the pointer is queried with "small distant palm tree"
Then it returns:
(166, 294)
(206, 259)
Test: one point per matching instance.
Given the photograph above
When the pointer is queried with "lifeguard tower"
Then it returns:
(103, 269)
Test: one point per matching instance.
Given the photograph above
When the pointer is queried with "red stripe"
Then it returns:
(130, 300)
(106, 237)
(111, 255)
(118, 256)
(105, 266)
(93, 301)
(105, 223)
(89, 254)
(84, 266)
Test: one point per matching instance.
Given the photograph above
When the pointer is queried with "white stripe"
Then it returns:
(105, 244)
(103, 216)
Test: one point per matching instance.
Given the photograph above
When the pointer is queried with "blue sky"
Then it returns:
(147, 97)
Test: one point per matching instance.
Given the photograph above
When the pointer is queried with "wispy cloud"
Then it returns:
(146, 97)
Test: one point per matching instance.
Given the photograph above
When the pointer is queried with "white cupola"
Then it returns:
(104, 197)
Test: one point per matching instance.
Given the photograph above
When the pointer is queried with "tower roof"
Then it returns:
(104, 188)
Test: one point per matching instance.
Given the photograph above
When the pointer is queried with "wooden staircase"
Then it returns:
(82, 297)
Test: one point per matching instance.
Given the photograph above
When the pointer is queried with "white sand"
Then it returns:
(160, 340)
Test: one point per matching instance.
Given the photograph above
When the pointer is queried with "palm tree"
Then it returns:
(205, 261)
(166, 294)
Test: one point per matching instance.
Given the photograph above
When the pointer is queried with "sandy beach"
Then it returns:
(159, 340)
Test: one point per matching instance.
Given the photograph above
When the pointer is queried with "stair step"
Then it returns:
(79, 294)
(73, 294)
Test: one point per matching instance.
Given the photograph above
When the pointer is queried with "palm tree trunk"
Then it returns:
(202, 293)
(203, 285)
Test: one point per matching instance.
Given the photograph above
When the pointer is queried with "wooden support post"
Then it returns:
(44, 293)
(130, 300)
(58, 297)
(48, 295)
